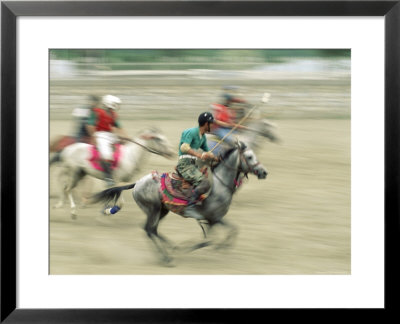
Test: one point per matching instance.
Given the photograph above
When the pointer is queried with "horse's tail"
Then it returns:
(110, 194)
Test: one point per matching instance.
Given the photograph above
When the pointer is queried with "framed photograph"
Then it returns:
(303, 99)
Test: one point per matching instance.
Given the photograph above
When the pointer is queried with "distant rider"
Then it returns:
(81, 133)
(103, 124)
(82, 115)
(193, 139)
(227, 113)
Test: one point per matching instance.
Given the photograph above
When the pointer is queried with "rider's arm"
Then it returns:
(222, 118)
(90, 129)
(186, 149)
(207, 154)
(228, 125)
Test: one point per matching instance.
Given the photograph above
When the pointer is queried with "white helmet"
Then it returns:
(111, 102)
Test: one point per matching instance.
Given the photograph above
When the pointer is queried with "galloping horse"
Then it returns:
(77, 161)
(226, 176)
(256, 128)
(257, 131)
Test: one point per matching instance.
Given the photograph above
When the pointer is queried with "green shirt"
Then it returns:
(192, 137)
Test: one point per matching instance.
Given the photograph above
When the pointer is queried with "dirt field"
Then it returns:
(295, 222)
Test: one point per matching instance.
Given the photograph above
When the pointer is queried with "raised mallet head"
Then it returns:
(265, 97)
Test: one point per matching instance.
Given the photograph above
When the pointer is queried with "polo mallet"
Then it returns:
(264, 100)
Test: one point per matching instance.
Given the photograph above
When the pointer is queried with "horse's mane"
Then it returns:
(148, 129)
(227, 153)
(239, 145)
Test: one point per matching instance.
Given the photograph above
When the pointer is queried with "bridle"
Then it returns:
(237, 182)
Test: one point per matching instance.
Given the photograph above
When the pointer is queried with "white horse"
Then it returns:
(76, 162)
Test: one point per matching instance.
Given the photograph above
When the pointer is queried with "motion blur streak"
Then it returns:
(297, 221)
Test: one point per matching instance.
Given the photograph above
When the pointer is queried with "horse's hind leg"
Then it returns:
(159, 241)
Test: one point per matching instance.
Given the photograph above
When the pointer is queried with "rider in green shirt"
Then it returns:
(193, 139)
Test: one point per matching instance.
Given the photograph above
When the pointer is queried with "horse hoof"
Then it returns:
(224, 246)
(169, 262)
(73, 216)
(177, 249)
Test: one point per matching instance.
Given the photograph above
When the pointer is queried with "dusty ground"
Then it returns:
(295, 222)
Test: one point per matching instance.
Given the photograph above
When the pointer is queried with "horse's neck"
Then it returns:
(249, 137)
(135, 154)
(227, 170)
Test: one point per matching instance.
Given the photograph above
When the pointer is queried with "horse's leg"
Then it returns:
(154, 215)
(202, 224)
(230, 238)
(227, 242)
(200, 245)
(72, 204)
(164, 211)
(62, 185)
(87, 189)
(204, 243)
(75, 177)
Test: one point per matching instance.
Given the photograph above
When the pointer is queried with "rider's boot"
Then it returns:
(191, 208)
(200, 189)
(107, 173)
(194, 198)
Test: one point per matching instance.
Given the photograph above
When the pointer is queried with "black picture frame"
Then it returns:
(11, 10)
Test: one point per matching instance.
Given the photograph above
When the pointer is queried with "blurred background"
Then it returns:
(158, 81)
(295, 222)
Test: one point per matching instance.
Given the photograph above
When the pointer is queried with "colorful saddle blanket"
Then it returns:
(176, 192)
(95, 157)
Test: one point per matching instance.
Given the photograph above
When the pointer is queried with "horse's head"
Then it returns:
(249, 162)
(157, 142)
(260, 128)
(269, 130)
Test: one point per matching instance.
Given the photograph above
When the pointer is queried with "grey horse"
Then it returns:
(226, 176)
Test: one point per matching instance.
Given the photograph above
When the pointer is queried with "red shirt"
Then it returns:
(104, 120)
(223, 113)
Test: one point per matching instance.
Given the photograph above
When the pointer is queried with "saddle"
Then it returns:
(95, 157)
(176, 191)
(61, 142)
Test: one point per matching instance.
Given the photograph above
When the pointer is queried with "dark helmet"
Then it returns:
(205, 117)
